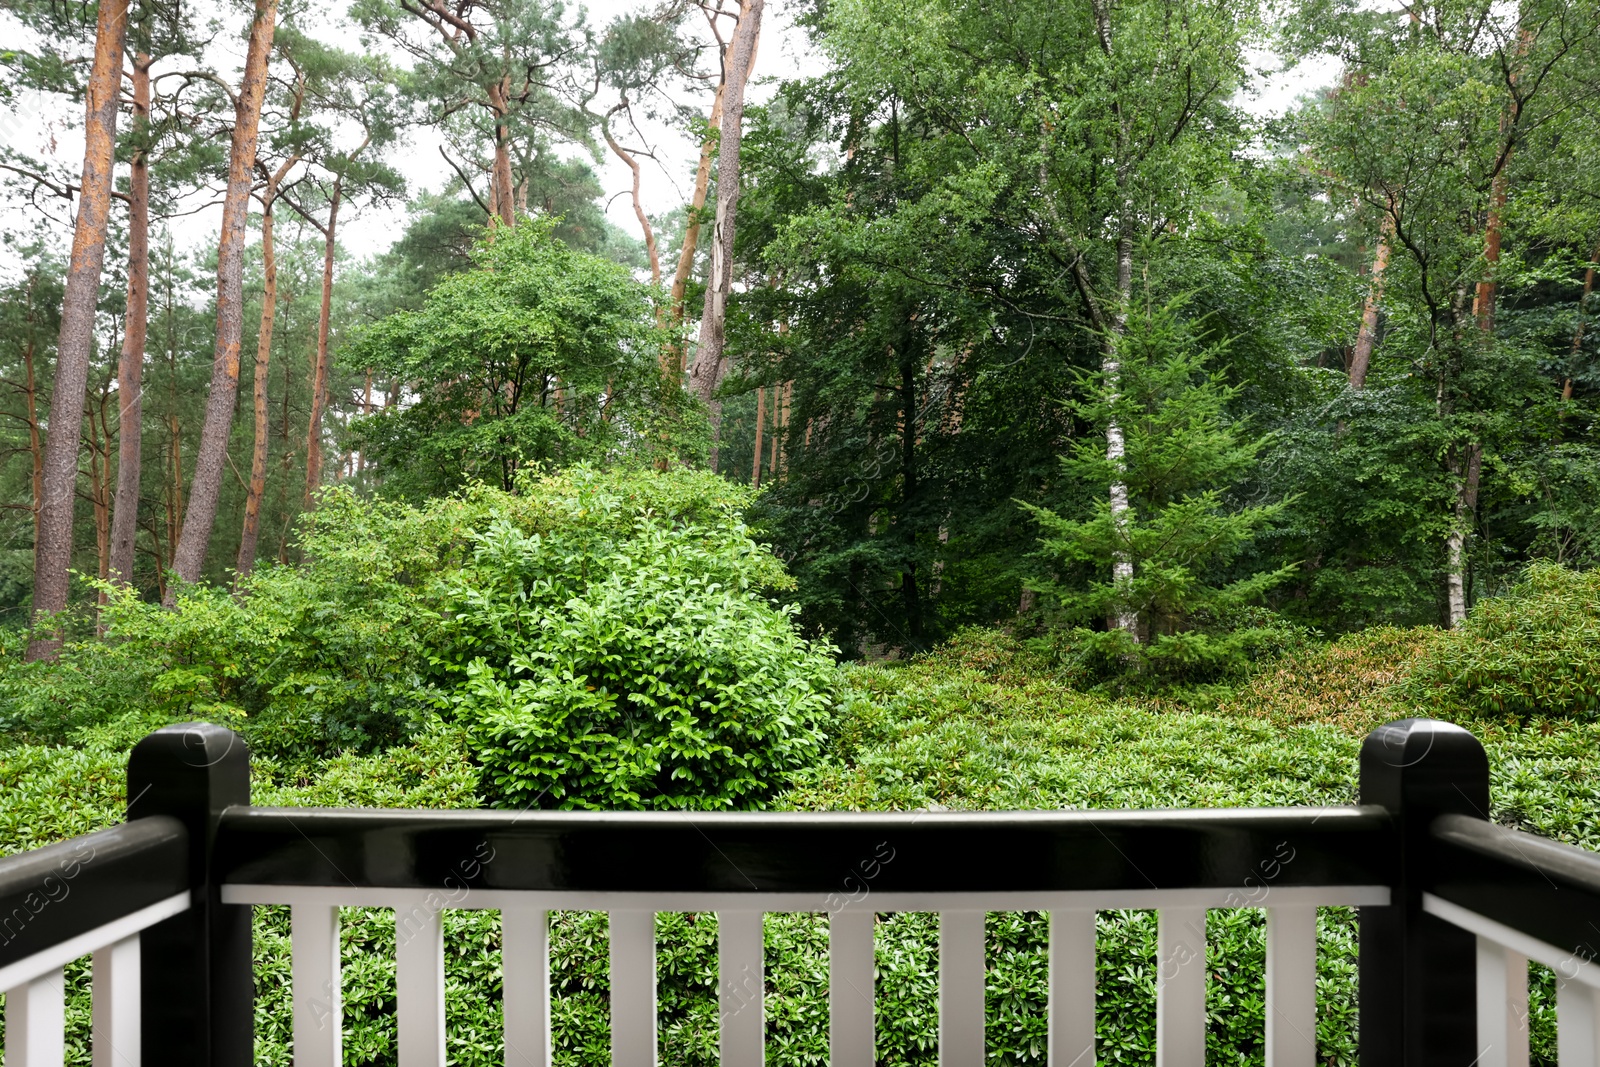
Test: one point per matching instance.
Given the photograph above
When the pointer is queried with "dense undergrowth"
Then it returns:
(986, 722)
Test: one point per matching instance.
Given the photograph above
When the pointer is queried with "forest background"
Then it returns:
(1354, 333)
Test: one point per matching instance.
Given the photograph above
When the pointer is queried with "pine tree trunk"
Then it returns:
(1366, 337)
(58, 493)
(100, 487)
(705, 373)
(175, 493)
(206, 489)
(638, 208)
(504, 197)
(35, 440)
(780, 459)
(1577, 334)
(761, 418)
(1483, 300)
(130, 371)
(319, 376)
(250, 536)
(366, 409)
(691, 234)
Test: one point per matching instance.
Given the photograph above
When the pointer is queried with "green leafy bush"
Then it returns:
(645, 670)
(604, 638)
(1534, 651)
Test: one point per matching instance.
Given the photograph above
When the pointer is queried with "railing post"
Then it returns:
(1418, 973)
(198, 1003)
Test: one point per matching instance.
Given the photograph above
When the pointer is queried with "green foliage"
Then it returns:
(1179, 531)
(537, 355)
(642, 670)
(1534, 651)
(980, 724)
(600, 639)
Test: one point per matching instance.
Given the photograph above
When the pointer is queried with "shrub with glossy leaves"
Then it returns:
(640, 669)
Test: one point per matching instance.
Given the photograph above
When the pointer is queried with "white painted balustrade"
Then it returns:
(35, 991)
(1181, 996)
(1503, 957)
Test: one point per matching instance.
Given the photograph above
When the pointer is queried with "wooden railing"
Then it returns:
(1452, 907)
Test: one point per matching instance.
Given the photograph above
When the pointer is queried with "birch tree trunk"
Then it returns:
(130, 370)
(1467, 471)
(52, 552)
(705, 373)
(1123, 616)
(206, 488)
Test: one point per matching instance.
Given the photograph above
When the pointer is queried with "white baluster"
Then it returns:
(961, 988)
(314, 964)
(419, 980)
(1072, 985)
(1502, 1006)
(633, 989)
(851, 967)
(742, 984)
(1292, 986)
(1577, 1024)
(1181, 988)
(114, 995)
(36, 1021)
(525, 971)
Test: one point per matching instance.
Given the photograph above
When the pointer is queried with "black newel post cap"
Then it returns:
(1425, 767)
(189, 765)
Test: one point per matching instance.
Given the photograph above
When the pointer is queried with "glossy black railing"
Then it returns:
(1451, 906)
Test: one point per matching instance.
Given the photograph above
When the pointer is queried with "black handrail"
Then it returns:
(663, 852)
(1542, 888)
(54, 894)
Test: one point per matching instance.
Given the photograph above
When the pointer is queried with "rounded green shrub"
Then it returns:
(602, 638)
(1533, 652)
(644, 669)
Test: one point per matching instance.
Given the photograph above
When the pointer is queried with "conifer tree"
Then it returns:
(1181, 531)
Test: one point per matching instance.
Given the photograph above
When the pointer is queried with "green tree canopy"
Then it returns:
(539, 354)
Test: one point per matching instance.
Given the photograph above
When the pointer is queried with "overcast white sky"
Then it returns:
(36, 125)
